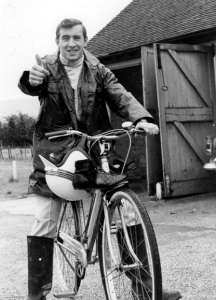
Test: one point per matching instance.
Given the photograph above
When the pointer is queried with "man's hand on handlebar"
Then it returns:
(37, 72)
(149, 128)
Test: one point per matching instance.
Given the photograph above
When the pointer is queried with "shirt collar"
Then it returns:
(72, 64)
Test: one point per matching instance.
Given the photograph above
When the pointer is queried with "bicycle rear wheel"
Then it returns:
(136, 271)
(65, 262)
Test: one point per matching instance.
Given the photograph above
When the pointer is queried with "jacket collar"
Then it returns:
(51, 59)
(91, 58)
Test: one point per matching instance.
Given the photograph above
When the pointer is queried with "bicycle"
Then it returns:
(117, 224)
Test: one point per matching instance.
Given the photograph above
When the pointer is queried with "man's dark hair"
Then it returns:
(69, 23)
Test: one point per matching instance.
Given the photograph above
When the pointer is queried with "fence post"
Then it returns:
(14, 174)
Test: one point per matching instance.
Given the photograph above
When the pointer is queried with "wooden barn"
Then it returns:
(163, 52)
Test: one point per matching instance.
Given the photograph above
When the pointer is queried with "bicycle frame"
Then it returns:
(91, 229)
(100, 204)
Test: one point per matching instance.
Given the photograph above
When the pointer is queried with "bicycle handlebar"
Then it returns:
(107, 136)
(48, 134)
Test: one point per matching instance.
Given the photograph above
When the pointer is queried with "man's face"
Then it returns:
(71, 42)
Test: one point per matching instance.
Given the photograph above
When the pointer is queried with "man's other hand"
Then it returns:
(37, 72)
(149, 128)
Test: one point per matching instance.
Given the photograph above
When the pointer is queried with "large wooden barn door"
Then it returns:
(186, 101)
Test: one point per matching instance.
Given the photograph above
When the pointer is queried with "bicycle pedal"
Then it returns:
(67, 294)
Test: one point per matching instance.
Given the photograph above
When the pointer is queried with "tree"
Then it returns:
(11, 130)
(17, 130)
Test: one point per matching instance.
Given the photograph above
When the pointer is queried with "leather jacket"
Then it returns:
(97, 87)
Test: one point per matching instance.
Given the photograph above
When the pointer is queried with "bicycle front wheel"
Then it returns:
(131, 268)
(65, 261)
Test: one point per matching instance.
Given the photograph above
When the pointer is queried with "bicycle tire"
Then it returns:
(132, 283)
(70, 223)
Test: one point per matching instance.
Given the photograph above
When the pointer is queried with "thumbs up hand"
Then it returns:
(37, 72)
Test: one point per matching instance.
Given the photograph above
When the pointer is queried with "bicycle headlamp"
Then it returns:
(211, 146)
(208, 146)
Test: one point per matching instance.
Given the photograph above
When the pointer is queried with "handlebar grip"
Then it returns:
(54, 133)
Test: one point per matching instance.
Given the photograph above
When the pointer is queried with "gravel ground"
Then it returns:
(185, 230)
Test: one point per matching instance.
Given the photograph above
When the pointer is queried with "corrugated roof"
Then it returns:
(144, 22)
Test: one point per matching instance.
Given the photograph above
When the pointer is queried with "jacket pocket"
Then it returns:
(52, 87)
(92, 88)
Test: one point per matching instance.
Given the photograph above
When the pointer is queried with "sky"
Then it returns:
(27, 27)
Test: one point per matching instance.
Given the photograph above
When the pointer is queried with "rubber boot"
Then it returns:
(140, 291)
(40, 267)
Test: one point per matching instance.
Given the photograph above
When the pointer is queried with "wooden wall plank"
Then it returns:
(195, 186)
(189, 114)
(162, 105)
(153, 147)
(191, 142)
(184, 47)
(212, 67)
(191, 78)
(124, 64)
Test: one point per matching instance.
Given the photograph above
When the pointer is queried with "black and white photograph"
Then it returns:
(108, 149)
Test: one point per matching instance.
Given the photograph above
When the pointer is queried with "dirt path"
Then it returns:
(16, 219)
(186, 234)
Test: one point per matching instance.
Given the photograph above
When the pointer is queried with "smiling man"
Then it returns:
(74, 89)
(71, 42)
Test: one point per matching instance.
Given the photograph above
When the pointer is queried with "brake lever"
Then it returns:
(137, 131)
(132, 129)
